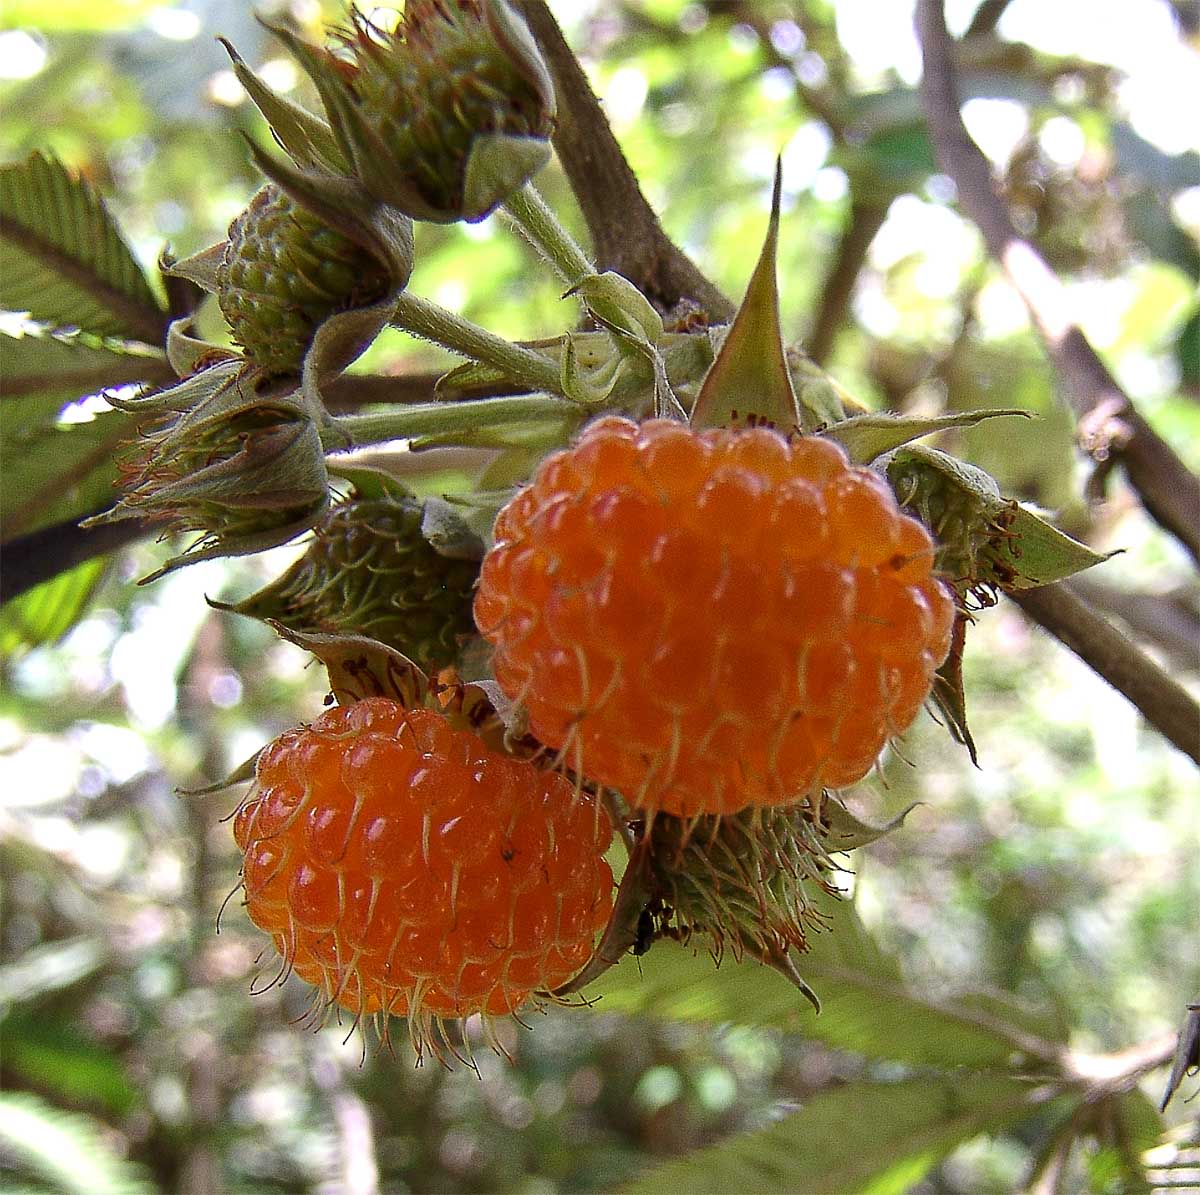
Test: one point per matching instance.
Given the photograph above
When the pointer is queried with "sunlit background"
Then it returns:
(1063, 870)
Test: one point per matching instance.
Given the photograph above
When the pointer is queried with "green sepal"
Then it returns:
(846, 831)
(867, 437)
(308, 139)
(621, 306)
(242, 773)
(359, 667)
(188, 354)
(200, 268)
(1040, 554)
(986, 541)
(749, 382)
(444, 530)
(497, 165)
(822, 400)
(949, 693)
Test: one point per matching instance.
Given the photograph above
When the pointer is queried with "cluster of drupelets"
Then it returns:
(701, 627)
(687, 633)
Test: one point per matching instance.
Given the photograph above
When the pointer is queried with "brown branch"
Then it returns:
(864, 220)
(350, 391)
(43, 554)
(987, 17)
(1166, 621)
(1164, 703)
(1108, 422)
(90, 379)
(626, 234)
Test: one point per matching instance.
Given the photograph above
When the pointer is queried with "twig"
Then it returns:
(353, 390)
(43, 554)
(1165, 704)
(987, 17)
(1166, 621)
(626, 234)
(1108, 422)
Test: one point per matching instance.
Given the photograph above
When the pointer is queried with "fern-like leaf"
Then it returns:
(63, 259)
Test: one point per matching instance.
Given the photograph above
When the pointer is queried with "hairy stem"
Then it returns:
(534, 217)
(626, 234)
(461, 421)
(459, 335)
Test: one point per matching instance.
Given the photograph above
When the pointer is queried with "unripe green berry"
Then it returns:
(284, 273)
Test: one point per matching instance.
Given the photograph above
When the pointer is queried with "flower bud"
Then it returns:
(284, 273)
(741, 879)
(442, 117)
(246, 475)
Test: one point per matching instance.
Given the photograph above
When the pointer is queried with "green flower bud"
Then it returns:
(970, 519)
(246, 475)
(442, 117)
(740, 879)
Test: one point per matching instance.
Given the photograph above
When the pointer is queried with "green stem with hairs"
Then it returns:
(534, 217)
(459, 335)
(459, 422)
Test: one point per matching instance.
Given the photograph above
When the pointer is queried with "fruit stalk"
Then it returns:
(462, 422)
(534, 217)
(459, 335)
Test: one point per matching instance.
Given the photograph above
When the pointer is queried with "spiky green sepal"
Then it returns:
(743, 880)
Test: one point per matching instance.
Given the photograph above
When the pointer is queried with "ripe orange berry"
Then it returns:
(404, 867)
(708, 620)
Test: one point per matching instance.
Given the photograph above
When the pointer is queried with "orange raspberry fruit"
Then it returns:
(402, 866)
(709, 620)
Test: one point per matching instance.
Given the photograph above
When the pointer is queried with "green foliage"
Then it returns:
(64, 1150)
(63, 260)
(874, 1138)
(1036, 906)
(46, 612)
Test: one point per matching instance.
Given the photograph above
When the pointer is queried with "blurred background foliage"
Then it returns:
(1062, 873)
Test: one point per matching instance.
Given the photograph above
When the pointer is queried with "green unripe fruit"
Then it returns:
(284, 273)
(370, 571)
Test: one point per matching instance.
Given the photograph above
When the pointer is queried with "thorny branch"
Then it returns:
(1166, 704)
(626, 234)
(1109, 426)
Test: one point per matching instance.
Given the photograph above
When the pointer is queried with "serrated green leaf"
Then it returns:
(34, 362)
(1042, 554)
(866, 1007)
(59, 472)
(870, 1138)
(65, 1149)
(63, 259)
(865, 437)
(48, 611)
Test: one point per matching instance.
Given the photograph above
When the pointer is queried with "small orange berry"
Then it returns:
(719, 618)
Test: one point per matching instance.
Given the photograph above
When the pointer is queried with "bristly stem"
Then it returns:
(534, 217)
(428, 320)
(457, 422)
